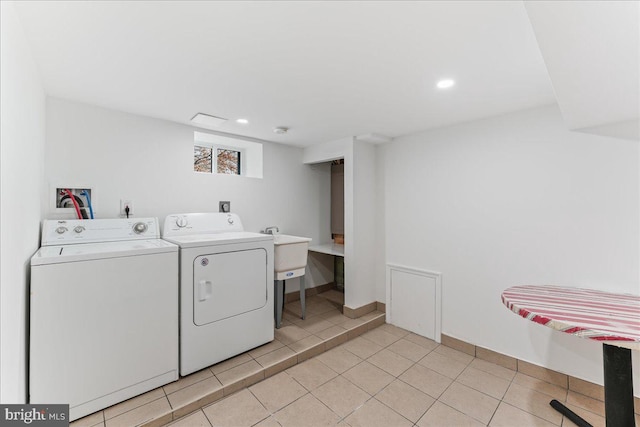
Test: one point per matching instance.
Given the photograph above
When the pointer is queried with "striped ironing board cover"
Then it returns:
(597, 315)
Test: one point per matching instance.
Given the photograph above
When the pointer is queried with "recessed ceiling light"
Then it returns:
(207, 120)
(445, 84)
(242, 121)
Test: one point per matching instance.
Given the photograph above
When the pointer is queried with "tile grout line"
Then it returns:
(382, 403)
(467, 365)
(399, 379)
(324, 404)
(373, 396)
(526, 410)
(194, 412)
(502, 400)
(262, 370)
(166, 395)
(105, 419)
(453, 381)
(339, 375)
(260, 402)
(395, 378)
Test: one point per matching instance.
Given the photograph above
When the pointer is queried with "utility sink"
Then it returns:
(290, 255)
(289, 261)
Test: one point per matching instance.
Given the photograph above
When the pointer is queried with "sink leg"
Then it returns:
(279, 287)
(302, 297)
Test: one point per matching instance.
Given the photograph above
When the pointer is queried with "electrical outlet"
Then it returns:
(123, 207)
(224, 206)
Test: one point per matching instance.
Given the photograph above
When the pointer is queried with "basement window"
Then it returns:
(225, 155)
(202, 159)
(228, 161)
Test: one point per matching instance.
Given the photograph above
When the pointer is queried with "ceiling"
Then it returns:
(592, 53)
(326, 70)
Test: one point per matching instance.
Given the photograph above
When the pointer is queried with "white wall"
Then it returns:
(511, 200)
(380, 227)
(150, 162)
(22, 137)
(360, 229)
(325, 152)
(583, 44)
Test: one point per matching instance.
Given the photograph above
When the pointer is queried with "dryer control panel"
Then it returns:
(201, 223)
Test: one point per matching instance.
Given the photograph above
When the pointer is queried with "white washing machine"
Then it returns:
(226, 287)
(103, 314)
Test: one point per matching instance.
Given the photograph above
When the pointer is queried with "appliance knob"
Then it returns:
(181, 222)
(230, 220)
(79, 229)
(61, 230)
(139, 227)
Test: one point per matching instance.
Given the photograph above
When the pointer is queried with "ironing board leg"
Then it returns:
(302, 297)
(279, 287)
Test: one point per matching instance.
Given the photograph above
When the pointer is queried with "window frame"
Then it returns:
(250, 152)
(214, 157)
(194, 155)
(241, 158)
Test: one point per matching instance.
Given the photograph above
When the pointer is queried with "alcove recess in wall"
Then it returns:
(64, 205)
(337, 218)
(337, 201)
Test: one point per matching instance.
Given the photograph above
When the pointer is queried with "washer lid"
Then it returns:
(197, 240)
(91, 251)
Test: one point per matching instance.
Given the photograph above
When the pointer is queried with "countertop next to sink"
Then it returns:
(328, 248)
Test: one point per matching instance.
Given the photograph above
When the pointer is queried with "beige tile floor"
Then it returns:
(297, 340)
(390, 377)
(382, 376)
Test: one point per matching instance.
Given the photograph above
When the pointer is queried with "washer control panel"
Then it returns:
(69, 231)
(140, 227)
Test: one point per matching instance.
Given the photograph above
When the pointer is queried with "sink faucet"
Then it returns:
(271, 230)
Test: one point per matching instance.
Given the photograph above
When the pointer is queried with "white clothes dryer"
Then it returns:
(104, 313)
(226, 287)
